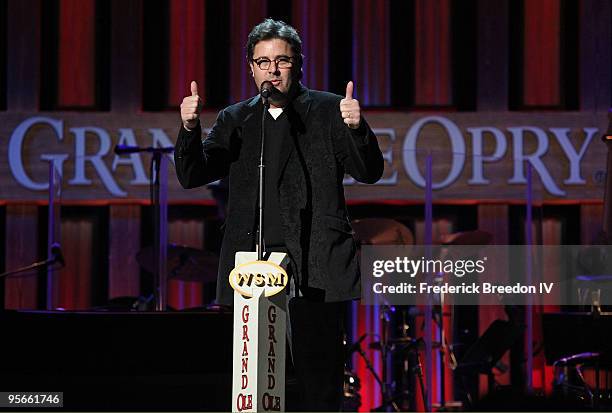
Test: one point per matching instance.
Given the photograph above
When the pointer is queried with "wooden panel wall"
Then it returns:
(492, 84)
(21, 240)
(432, 53)
(595, 55)
(76, 54)
(187, 53)
(244, 14)
(542, 53)
(552, 234)
(124, 244)
(543, 49)
(493, 218)
(72, 286)
(371, 58)
(186, 294)
(126, 55)
(311, 19)
(23, 55)
(591, 222)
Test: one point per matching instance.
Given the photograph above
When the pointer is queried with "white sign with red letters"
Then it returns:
(258, 381)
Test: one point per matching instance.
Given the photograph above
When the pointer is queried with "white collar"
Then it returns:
(275, 112)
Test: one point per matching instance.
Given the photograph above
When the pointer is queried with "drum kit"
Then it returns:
(582, 377)
(395, 341)
(183, 264)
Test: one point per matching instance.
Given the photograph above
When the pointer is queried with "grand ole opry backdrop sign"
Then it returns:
(476, 155)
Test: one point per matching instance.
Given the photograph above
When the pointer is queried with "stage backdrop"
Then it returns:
(476, 156)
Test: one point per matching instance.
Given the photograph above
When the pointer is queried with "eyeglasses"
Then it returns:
(282, 62)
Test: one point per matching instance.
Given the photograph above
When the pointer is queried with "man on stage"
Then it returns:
(312, 139)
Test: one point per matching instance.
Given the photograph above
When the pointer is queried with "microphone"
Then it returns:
(266, 89)
(56, 253)
(123, 149)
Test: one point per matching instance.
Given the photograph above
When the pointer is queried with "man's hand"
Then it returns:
(349, 108)
(191, 108)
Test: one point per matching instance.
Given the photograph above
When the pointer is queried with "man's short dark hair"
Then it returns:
(277, 29)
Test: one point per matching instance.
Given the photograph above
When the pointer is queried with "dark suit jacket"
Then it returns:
(313, 161)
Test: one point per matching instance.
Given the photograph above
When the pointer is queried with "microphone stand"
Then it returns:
(441, 352)
(260, 206)
(33, 266)
(607, 215)
(160, 220)
(370, 367)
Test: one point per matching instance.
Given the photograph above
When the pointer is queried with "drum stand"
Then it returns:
(400, 400)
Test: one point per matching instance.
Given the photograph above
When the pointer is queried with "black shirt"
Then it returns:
(276, 130)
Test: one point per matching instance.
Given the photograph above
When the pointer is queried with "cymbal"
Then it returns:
(606, 278)
(184, 263)
(381, 231)
(467, 238)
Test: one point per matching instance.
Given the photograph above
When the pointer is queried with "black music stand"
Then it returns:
(484, 354)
